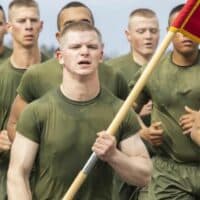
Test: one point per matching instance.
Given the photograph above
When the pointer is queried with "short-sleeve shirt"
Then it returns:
(9, 80)
(41, 78)
(5, 54)
(126, 65)
(65, 131)
(171, 88)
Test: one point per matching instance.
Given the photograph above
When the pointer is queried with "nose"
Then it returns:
(28, 24)
(148, 34)
(84, 50)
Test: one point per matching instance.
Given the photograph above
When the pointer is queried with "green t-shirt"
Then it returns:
(9, 81)
(5, 54)
(65, 131)
(126, 65)
(41, 78)
(171, 88)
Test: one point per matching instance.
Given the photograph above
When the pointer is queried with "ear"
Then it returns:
(102, 54)
(59, 57)
(41, 25)
(128, 36)
(58, 36)
(8, 27)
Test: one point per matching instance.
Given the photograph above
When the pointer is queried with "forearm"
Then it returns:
(17, 107)
(11, 127)
(18, 186)
(133, 170)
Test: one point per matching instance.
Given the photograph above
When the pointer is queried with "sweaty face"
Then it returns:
(183, 44)
(81, 52)
(25, 25)
(74, 14)
(143, 35)
(2, 27)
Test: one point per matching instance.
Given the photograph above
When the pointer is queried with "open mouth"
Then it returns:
(28, 37)
(84, 63)
(187, 42)
(149, 45)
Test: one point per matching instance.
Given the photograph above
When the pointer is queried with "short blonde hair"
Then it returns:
(79, 26)
(22, 3)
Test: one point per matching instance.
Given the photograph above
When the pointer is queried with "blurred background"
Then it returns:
(111, 17)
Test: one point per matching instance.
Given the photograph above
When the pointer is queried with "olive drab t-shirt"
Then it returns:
(171, 88)
(65, 131)
(5, 54)
(126, 65)
(9, 81)
(43, 77)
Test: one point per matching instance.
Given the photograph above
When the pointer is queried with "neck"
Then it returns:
(184, 60)
(23, 57)
(80, 89)
(141, 59)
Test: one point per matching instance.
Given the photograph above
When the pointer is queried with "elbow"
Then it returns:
(14, 177)
(11, 179)
(145, 177)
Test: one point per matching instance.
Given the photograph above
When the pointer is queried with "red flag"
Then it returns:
(188, 20)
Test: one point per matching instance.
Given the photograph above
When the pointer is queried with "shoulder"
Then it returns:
(110, 98)
(166, 58)
(105, 68)
(118, 61)
(43, 103)
(42, 67)
(5, 66)
(44, 57)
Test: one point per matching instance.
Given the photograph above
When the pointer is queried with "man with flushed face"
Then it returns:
(49, 74)
(77, 64)
(4, 51)
(65, 128)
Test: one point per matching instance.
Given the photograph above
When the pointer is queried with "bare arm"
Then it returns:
(132, 162)
(23, 154)
(18, 106)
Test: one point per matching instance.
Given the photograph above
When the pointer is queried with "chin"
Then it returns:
(86, 72)
(28, 45)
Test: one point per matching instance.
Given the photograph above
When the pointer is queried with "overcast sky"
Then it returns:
(111, 18)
